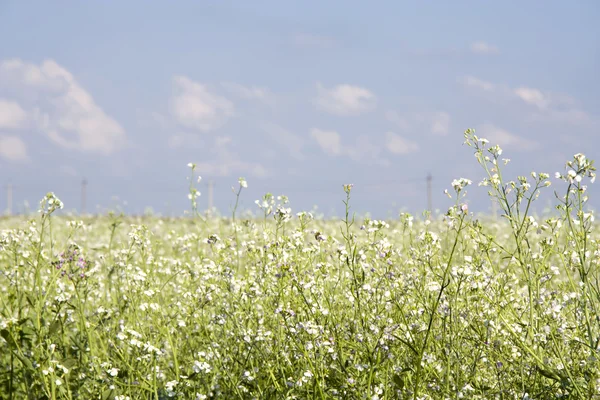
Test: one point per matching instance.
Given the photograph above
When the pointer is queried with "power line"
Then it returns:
(336, 186)
(410, 186)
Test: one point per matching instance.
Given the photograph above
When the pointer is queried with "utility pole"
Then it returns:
(9, 198)
(84, 183)
(210, 196)
(429, 194)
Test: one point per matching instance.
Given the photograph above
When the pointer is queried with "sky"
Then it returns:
(298, 98)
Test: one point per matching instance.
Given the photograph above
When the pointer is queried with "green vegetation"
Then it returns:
(291, 306)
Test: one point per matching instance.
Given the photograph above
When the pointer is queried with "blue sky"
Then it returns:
(297, 97)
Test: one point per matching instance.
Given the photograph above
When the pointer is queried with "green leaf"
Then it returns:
(7, 336)
(25, 361)
(54, 327)
(398, 381)
(108, 394)
(30, 300)
(27, 332)
(69, 362)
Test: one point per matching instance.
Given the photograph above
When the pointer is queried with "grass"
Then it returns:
(291, 306)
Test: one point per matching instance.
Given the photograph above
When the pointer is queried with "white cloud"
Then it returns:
(397, 144)
(194, 106)
(503, 138)
(286, 139)
(258, 93)
(61, 108)
(329, 141)
(481, 47)
(12, 116)
(477, 83)
(345, 100)
(12, 148)
(532, 96)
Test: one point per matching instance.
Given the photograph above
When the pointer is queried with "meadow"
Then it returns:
(286, 305)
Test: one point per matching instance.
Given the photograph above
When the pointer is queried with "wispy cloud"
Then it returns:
(436, 123)
(541, 106)
(12, 116)
(366, 150)
(504, 138)
(60, 107)
(258, 93)
(538, 98)
(440, 123)
(399, 145)
(227, 162)
(532, 96)
(286, 139)
(362, 149)
(474, 82)
(194, 106)
(12, 148)
(329, 141)
(231, 167)
(481, 47)
(345, 100)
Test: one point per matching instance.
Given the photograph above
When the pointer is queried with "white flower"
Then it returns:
(113, 371)
(243, 182)
(459, 184)
(433, 286)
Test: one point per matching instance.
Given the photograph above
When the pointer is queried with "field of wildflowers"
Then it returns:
(289, 306)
